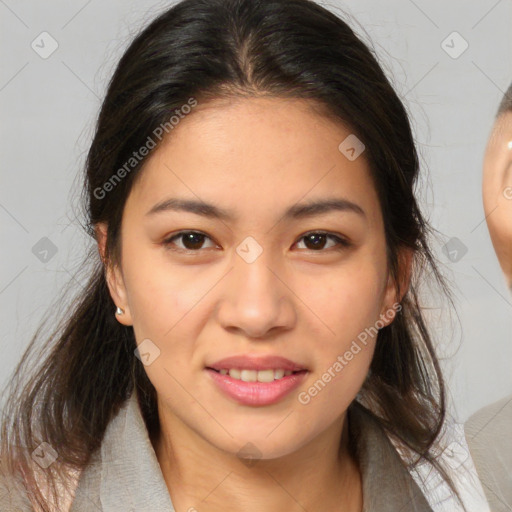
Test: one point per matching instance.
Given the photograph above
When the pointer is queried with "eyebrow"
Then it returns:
(295, 212)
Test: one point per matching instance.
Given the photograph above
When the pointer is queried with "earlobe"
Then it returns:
(114, 279)
(117, 290)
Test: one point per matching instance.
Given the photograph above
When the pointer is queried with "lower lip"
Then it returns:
(256, 393)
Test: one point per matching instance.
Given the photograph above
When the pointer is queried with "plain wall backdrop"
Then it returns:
(450, 62)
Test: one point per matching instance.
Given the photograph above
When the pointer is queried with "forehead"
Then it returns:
(253, 155)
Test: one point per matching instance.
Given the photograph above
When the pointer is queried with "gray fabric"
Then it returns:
(125, 476)
(387, 484)
(12, 498)
(489, 437)
(129, 477)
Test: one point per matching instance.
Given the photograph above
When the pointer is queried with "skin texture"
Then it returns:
(497, 191)
(256, 157)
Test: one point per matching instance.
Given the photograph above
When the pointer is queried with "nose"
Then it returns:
(256, 299)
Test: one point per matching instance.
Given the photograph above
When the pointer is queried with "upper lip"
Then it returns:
(256, 362)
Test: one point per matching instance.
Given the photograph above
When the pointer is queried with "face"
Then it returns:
(497, 191)
(242, 277)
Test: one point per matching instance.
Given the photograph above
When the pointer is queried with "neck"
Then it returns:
(321, 475)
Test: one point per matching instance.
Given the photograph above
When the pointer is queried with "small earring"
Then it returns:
(119, 311)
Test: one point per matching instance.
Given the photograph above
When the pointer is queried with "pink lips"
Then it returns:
(256, 393)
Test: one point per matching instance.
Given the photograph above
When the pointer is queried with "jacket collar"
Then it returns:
(125, 473)
(387, 484)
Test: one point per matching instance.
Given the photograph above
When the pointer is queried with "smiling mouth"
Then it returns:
(256, 388)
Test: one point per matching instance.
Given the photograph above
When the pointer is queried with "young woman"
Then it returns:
(250, 337)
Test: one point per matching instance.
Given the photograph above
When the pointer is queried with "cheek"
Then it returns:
(346, 301)
(164, 310)
(168, 308)
(349, 307)
(160, 296)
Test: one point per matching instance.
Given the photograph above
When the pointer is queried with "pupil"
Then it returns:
(317, 240)
(194, 239)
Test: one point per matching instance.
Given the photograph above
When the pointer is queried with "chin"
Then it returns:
(261, 446)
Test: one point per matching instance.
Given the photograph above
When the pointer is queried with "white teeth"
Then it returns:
(255, 375)
(278, 374)
(235, 373)
(265, 376)
(249, 375)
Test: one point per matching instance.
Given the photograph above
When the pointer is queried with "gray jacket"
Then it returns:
(124, 474)
(489, 437)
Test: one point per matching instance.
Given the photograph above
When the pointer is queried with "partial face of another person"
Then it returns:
(256, 273)
(497, 191)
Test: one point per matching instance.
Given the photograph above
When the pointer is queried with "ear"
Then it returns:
(114, 277)
(392, 298)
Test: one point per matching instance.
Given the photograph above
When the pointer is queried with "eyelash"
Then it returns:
(342, 242)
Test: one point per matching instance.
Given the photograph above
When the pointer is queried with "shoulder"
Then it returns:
(489, 436)
(13, 496)
(489, 421)
(489, 430)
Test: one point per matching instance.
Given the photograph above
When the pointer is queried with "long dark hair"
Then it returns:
(206, 49)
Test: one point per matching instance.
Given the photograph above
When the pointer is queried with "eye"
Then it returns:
(316, 240)
(192, 240)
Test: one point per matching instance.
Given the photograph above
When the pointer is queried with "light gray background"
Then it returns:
(49, 106)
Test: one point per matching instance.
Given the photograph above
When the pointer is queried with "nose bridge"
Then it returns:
(255, 299)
